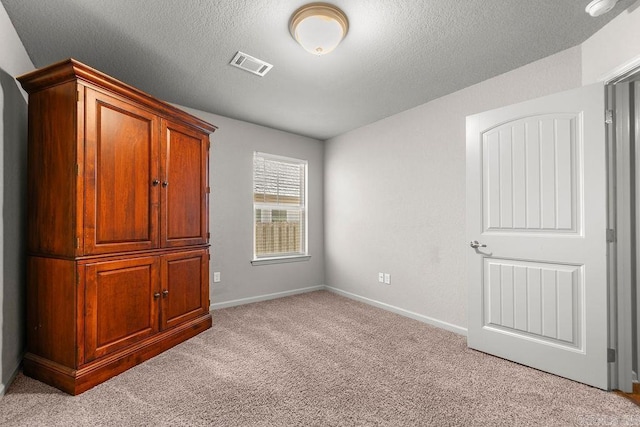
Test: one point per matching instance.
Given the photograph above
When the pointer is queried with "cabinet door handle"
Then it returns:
(165, 183)
(155, 182)
(165, 293)
(156, 295)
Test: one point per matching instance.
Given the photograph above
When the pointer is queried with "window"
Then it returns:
(280, 207)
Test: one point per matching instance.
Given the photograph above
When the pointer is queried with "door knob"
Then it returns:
(475, 245)
(156, 295)
(165, 293)
(155, 182)
(165, 183)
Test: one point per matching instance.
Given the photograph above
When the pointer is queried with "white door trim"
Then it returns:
(620, 200)
(621, 72)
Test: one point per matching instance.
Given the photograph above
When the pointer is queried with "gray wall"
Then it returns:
(395, 195)
(231, 211)
(14, 176)
(13, 144)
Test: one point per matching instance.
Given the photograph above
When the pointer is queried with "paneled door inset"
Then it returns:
(121, 173)
(536, 230)
(121, 304)
(185, 278)
(184, 186)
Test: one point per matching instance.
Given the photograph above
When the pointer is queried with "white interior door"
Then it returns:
(536, 197)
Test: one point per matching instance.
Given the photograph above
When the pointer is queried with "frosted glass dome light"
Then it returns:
(319, 27)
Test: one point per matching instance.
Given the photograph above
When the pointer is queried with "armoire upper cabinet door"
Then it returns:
(184, 169)
(121, 176)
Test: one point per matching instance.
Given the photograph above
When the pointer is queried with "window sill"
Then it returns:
(280, 260)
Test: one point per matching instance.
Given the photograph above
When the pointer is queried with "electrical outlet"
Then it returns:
(381, 277)
(216, 276)
(387, 278)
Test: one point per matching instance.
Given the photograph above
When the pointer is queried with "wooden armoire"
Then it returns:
(118, 258)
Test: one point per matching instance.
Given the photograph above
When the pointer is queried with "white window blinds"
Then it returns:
(279, 202)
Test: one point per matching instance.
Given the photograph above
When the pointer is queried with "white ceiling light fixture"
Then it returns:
(319, 27)
(600, 7)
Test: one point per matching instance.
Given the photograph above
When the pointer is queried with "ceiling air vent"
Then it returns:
(251, 64)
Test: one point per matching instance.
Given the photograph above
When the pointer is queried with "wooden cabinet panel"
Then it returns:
(51, 312)
(120, 306)
(121, 170)
(184, 187)
(52, 175)
(185, 287)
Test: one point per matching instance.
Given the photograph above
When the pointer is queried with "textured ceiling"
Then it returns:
(398, 53)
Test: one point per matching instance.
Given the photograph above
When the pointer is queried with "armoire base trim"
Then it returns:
(76, 381)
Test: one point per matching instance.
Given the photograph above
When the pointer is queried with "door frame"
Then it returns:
(621, 204)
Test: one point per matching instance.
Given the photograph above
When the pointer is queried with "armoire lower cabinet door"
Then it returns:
(121, 304)
(185, 287)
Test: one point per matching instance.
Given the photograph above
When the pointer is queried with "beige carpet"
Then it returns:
(320, 359)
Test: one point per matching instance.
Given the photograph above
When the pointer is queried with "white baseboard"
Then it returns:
(426, 319)
(5, 386)
(266, 297)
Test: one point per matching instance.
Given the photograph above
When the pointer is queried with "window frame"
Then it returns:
(303, 255)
